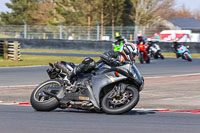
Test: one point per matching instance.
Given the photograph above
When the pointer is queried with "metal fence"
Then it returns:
(68, 32)
(76, 32)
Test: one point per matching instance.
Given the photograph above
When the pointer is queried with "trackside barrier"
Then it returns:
(10, 50)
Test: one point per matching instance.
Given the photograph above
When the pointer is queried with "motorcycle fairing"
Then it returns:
(100, 81)
(109, 77)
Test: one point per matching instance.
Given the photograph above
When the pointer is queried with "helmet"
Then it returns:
(87, 60)
(175, 41)
(117, 35)
(139, 36)
(130, 50)
(149, 40)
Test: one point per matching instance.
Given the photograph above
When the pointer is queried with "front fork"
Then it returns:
(118, 90)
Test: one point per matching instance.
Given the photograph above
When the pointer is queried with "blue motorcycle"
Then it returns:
(184, 52)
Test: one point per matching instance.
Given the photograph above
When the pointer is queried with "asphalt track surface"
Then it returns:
(23, 119)
(36, 75)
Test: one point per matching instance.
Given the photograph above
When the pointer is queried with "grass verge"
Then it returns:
(194, 55)
(4, 36)
(60, 51)
(31, 60)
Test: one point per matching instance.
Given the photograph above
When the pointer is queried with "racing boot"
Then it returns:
(69, 77)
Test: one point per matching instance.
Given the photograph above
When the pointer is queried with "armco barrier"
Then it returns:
(87, 45)
(10, 50)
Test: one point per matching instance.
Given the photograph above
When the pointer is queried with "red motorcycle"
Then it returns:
(143, 53)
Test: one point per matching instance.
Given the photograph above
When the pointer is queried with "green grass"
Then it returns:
(60, 51)
(30, 60)
(4, 36)
(194, 55)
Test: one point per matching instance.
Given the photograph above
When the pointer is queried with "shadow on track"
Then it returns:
(132, 112)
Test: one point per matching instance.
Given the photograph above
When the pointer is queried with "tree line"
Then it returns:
(91, 12)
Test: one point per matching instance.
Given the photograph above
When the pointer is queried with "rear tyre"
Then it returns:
(43, 102)
(129, 100)
(141, 58)
(148, 60)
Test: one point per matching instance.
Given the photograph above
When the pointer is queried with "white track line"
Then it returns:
(12, 86)
(181, 75)
(23, 66)
(193, 74)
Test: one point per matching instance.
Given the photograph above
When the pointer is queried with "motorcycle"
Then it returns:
(184, 52)
(155, 51)
(113, 90)
(143, 56)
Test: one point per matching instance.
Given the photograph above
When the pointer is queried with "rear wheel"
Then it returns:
(120, 104)
(148, 60)
(42, 102)
(141, 58)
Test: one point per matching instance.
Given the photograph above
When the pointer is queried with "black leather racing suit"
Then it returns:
(175, 46)
(111, 58)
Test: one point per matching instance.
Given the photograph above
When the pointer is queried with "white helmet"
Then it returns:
(131, 51)
(149, 39)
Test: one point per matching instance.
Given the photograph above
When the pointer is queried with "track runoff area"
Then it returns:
(154, 79)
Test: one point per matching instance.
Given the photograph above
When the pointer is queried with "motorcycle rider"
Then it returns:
(150, 43)
(140, 39)
(119, 42)
(112, 58)
(175, 46)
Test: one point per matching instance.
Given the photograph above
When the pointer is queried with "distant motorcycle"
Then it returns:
(184, 52)
(155, 51)
(143, 56)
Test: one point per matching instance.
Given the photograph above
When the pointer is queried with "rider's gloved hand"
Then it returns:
(115, 62)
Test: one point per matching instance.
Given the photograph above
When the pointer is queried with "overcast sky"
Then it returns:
(191, 4)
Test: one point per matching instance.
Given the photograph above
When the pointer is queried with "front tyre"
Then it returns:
(188, 57)
(122, 104)
(161, 56)
(43, 102)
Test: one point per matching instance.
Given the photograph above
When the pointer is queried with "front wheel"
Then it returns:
(42, 102)
(161, 56)
(120, 104)
(188, 57)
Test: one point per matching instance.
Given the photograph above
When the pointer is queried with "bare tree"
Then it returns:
(183, 12)
(196, 14)
(148, 12)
